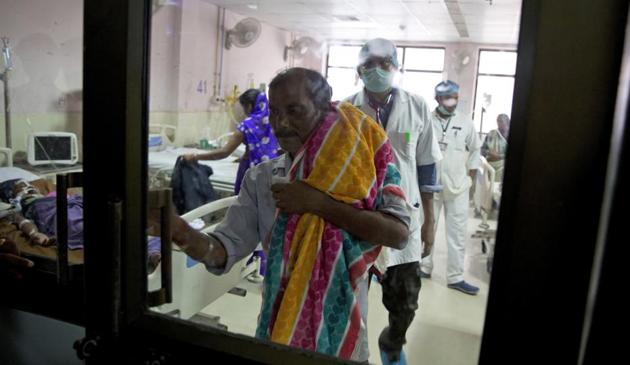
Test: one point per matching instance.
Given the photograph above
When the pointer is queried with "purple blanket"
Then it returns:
(43, 211)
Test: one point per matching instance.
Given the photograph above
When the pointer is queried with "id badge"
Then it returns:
(443, 146)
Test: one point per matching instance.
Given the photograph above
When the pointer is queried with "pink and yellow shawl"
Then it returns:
(313, 267)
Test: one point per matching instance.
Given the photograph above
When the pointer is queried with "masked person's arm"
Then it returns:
(371, 226)
(474, 147)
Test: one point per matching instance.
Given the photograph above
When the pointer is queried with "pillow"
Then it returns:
(11, 173)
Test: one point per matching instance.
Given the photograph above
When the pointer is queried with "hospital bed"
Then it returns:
(161, 165)
(486, 200)
(162, 159)
(65, 264)
(194, 287)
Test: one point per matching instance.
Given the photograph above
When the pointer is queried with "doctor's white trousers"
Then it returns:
(456, 214)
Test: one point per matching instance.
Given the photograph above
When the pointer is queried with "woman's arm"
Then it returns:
(235, 140)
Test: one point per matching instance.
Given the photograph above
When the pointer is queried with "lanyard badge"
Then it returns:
(443, 144)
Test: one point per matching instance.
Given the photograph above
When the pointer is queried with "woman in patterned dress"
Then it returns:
(254, 131)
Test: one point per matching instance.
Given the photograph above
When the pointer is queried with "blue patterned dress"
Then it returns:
(258, 137)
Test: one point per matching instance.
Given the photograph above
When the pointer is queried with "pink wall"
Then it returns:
(197, 55)
(263, 59)
(165, 58)
(185, 50)
(46, 38)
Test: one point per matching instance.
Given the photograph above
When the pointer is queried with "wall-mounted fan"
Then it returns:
(301, 46)
(244, 33)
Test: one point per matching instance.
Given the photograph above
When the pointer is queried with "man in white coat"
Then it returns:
(407, 121)
(460, 147)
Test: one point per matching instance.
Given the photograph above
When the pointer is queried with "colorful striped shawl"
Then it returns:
(314, 267)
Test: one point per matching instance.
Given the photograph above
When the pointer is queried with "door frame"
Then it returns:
(555, 178)
(118, 321)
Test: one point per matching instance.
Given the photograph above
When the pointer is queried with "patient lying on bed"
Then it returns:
(35, 214)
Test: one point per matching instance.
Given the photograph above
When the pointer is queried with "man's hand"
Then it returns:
(427, 235)
(179, 227)
(195, 244)
(11, 264)
(298, 198)
(372, 226)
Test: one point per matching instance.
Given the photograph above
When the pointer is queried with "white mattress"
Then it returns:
(224, 171)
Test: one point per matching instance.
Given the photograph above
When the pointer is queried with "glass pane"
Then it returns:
(41, 125)
(209, 106)
(344, 82)
(497, 62)
(494, 97)
(199, 108)
(424, 59)
(423, 84)
(343, 56)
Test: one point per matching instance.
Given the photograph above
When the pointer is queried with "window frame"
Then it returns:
(402, 58)
(477, 74)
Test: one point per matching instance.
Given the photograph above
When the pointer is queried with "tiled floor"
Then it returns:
(448, 325)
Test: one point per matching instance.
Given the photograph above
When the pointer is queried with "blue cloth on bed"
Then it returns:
(191, 185)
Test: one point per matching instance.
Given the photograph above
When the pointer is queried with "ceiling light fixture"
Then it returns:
(346, 18)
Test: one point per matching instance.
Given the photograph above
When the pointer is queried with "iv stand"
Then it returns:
(4, 76)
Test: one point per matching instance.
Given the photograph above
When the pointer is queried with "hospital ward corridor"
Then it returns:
(310, 182)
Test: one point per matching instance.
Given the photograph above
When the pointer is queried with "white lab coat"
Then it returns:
(460, 147)
(413, 142)
(462, 153)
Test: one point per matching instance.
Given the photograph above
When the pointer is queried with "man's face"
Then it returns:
(292, 114)
(449, 102)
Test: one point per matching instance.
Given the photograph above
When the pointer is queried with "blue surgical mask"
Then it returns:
(444, 111)
(377, 80)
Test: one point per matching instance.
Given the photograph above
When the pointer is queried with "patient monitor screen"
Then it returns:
(53, 148)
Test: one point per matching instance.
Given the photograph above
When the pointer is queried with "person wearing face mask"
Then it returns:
(322, 211)
(495, 146)
(460, 146)
(406, 119)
